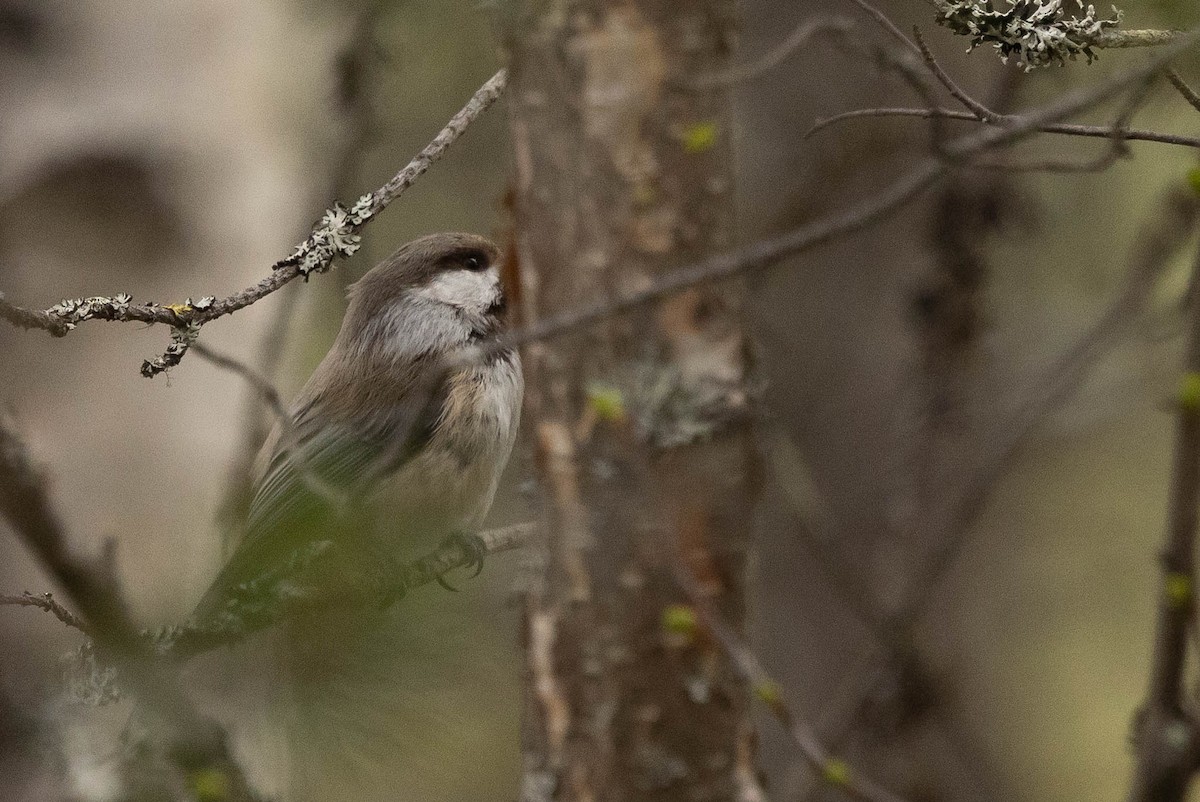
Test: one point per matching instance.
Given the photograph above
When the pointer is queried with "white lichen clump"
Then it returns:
(1037, 33)
(334, 235)
(72, 311)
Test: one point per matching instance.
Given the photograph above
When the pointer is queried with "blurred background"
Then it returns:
(178, 149)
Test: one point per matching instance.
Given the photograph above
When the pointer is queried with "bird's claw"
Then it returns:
(473, 549)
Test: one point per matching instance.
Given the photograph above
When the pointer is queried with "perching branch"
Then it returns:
(247, 614)
(335, 234)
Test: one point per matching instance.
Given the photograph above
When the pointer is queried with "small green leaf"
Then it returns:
(699, 137)
(769, 692)
(210, 785)
(1193, 179)
(1178, 588)
(836, 772)
(607, 402)
(680, 619)
(1189, 392)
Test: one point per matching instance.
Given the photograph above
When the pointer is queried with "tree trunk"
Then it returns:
(641, 426)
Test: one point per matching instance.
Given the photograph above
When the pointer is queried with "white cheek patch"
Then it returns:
(473, 291)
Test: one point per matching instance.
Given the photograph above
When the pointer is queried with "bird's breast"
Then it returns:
(449, 485)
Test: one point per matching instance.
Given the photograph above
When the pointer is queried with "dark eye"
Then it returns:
(475, 262)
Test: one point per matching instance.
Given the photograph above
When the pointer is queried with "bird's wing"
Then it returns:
(313, 484)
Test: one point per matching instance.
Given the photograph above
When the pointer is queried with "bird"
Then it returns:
(414, 411)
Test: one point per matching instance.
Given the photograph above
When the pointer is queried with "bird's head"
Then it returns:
(436, 292)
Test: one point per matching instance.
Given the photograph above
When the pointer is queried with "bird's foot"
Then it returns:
(473, 548)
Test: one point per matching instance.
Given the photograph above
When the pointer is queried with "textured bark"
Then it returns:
(642, 426)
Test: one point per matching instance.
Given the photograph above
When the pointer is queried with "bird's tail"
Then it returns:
(418, 702)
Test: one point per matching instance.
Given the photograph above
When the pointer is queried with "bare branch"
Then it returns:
(261, 385)
(1069, 129)
(1166, 735)
(765, 253)
(257, 421)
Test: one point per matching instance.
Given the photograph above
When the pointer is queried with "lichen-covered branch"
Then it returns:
(1039, 33)
(186, 744)
(335, 234)
(47, 603)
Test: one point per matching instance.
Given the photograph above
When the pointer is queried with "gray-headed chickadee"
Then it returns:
(384, 415)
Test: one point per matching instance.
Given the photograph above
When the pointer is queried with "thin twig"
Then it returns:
(261, 385)
(1118, 145)
(906, 64)
(806, 30)
(834, 771)
(887, 25)
(1188, 93)
(1068, 129)
(841, 715)
(974, 106)
(256, 424)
